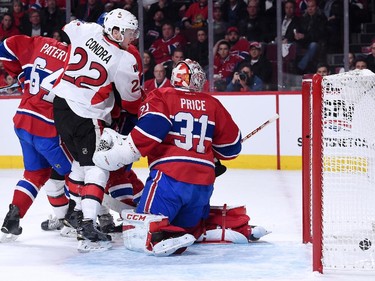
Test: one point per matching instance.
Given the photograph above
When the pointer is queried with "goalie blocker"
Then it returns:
(154, 235)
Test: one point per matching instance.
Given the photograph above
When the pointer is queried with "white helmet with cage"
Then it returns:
(189, 75)
(124, 21)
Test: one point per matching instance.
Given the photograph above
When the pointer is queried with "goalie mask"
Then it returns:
(188, 75)
(125, 21)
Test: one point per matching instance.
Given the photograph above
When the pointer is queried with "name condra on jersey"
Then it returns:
(98, 50)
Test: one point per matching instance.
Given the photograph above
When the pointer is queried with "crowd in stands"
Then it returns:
(244, 34)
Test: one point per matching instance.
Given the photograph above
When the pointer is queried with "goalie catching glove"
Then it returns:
(115, 151)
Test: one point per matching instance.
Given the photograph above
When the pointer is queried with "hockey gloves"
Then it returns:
(115, 151)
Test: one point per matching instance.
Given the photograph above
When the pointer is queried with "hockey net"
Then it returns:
(338, 154)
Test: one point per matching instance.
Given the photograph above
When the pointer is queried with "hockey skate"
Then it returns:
(52, 224)
(108, 226)
(90, 239)
(71, 221)
(257, 232)
(11, 227)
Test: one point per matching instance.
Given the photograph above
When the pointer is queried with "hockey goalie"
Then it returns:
(181, 131)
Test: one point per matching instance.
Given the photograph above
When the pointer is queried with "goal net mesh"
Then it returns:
(348, 177)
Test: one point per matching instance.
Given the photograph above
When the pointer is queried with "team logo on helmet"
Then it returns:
(189, 75)
(181, 75)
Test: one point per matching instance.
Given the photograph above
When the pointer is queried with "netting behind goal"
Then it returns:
(339, 170)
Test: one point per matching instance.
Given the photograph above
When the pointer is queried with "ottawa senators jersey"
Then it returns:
(181, 133)
(94, 63)
(38, 61)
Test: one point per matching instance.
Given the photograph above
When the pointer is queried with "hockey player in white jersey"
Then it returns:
(98, 62)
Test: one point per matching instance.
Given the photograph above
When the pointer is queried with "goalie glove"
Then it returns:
(219, 168)
(115, 151)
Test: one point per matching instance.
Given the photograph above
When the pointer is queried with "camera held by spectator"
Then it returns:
(243, 76)
(245, 80)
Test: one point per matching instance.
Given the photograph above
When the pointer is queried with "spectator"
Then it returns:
(57, 35)
(3, 74)
(34, 26)
(90, 11)
(160, 80)
(290, 22)
(19, 14)
(153, 28)
(260, 65)
(370, 58)
(170, 10)
(148, 65)
(9, 81)
(245, 80)
(238, 45)
(333, 10)
(132, 7)
(220, 26)
(53, 18)
(301, 6)
(196, 15)
(163, 47)
(255, 26)
(7, 28)
(322, 69)
(177, 55)
(360, 63)
(351, 60)
(311, 37)
(198, 51)
(233, 11)
(359, 12)
(224, 64)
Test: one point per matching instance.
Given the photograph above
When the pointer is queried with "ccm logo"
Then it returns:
(136, 217)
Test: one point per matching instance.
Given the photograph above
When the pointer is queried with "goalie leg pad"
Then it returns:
(226, 224)
(147, 233)
(229, 224)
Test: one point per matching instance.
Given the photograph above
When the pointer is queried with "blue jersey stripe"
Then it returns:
(29, 187)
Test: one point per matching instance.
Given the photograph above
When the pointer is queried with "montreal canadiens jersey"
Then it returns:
(38, 61)
(181, 133)
(94, 63)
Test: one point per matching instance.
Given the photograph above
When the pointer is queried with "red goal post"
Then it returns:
(338, 170)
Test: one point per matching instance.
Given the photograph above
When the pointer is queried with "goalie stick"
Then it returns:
(114, 204)
(269, 121)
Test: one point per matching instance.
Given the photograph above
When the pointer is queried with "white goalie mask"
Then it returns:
(125, 21)
(188, 74)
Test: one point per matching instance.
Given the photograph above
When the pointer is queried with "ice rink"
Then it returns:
(272, 198)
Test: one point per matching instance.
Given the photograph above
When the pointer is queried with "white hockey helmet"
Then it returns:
(123, 20)
(188, 74)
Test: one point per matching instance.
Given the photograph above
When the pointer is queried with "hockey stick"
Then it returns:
(269, 121)
(220, 168)
(4, 88)
(114, 204)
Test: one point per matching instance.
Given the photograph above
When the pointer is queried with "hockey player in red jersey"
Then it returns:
(83, 104)
(38, 61)
(181, 131)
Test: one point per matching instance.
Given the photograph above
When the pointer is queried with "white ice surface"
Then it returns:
(272, 198)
